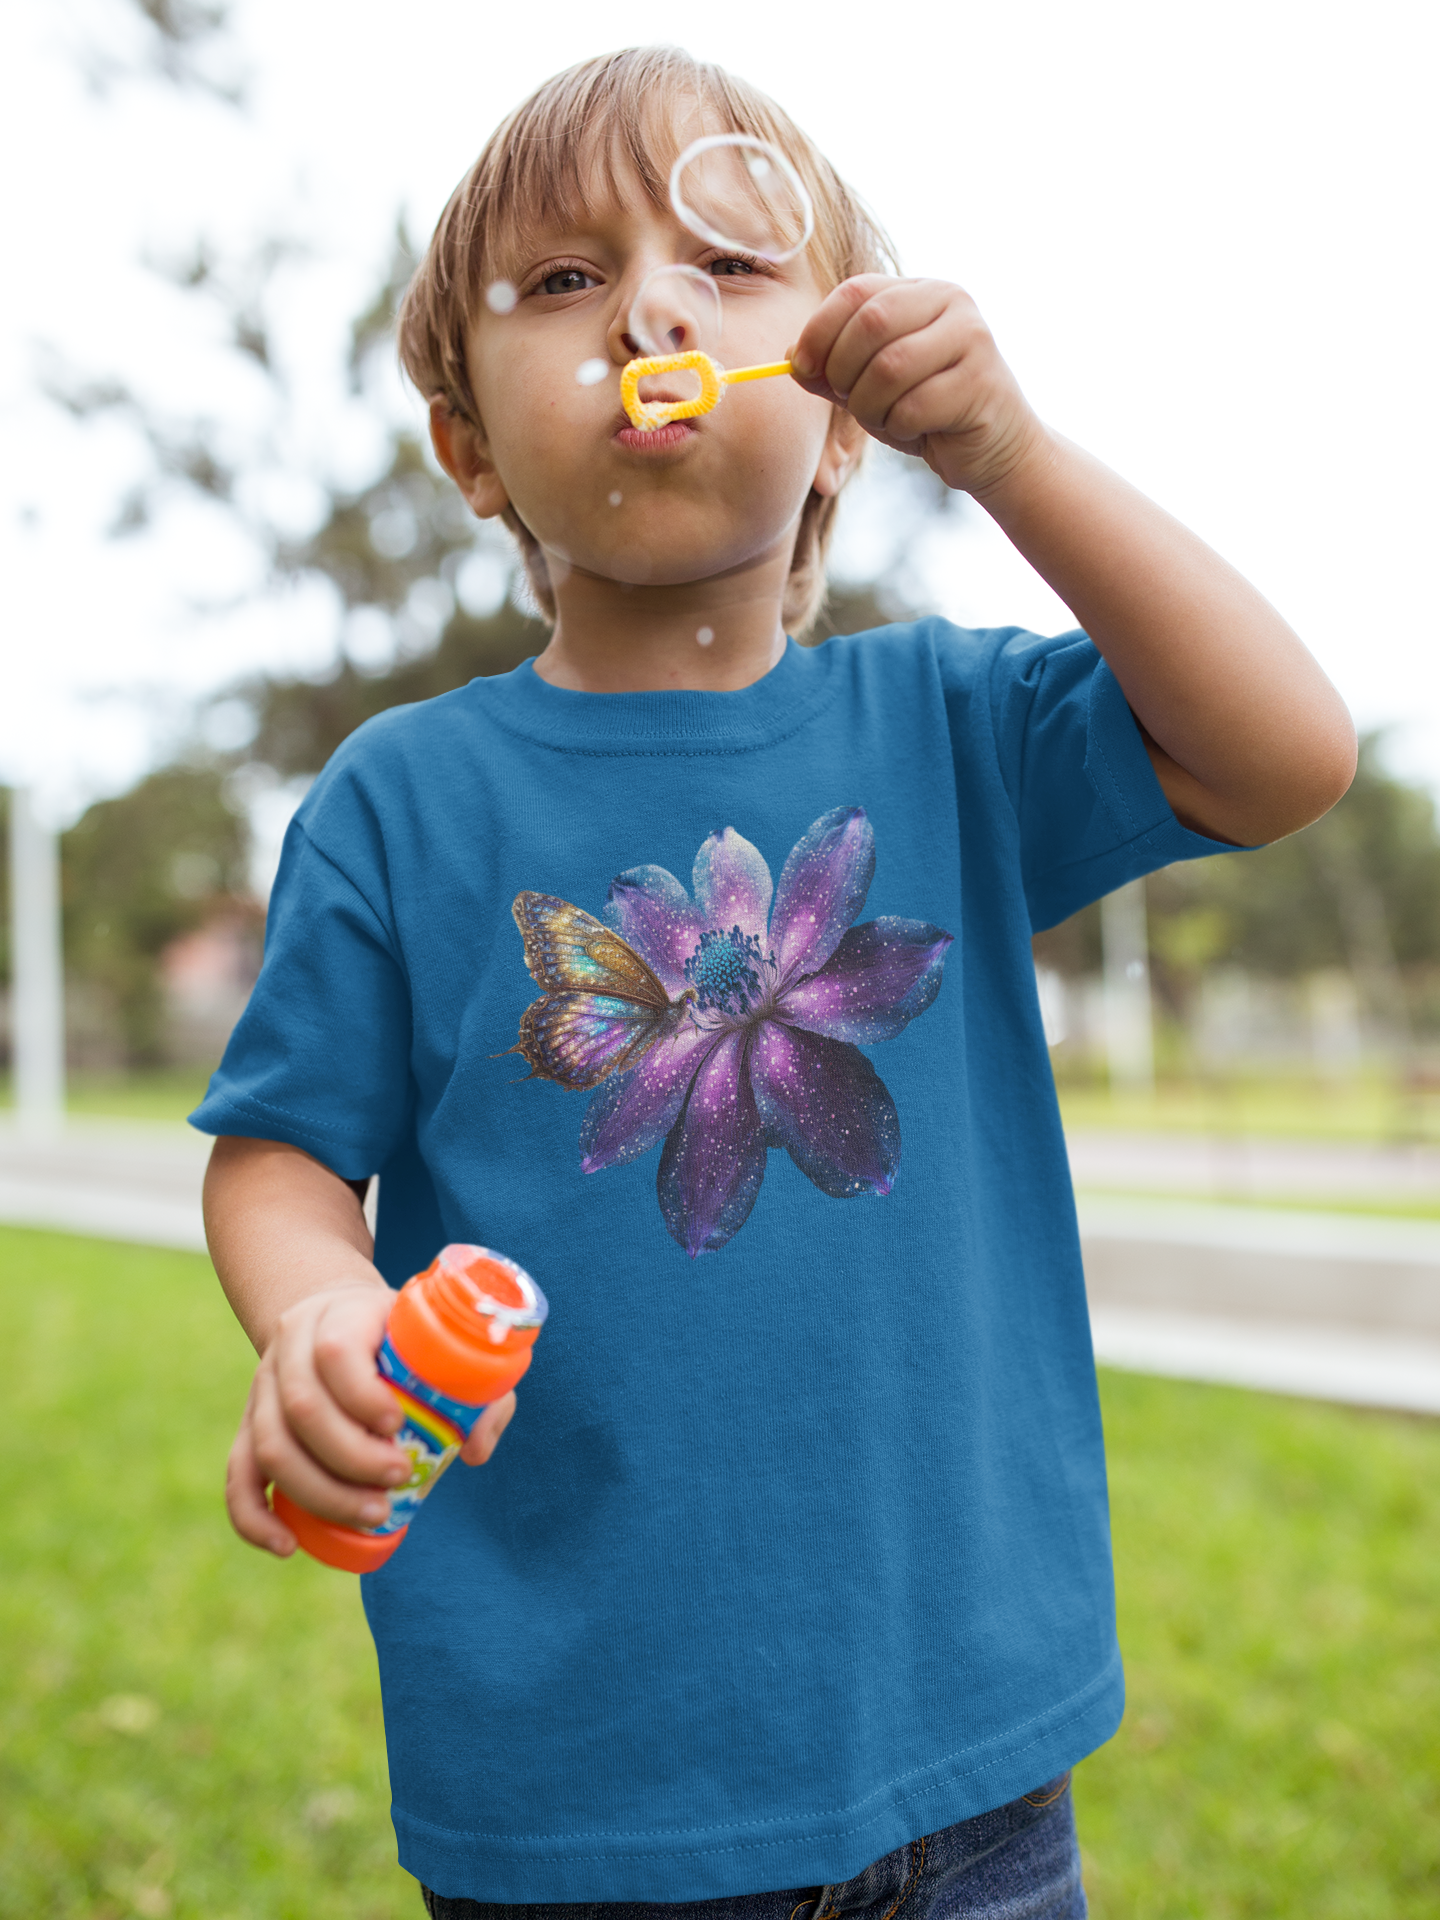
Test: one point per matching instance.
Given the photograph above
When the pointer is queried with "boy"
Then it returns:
(792, 1591)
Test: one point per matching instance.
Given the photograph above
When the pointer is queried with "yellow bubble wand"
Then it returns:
(646, 415)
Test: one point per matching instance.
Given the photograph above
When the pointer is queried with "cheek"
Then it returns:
(783, 432)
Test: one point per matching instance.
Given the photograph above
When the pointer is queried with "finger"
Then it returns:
(282, 1460)
(818, 336)
(946, 403)
(245, 1500)
(884, 397)
(485, 1435)
(887, 327)
(346, 1339)
(323, 1428)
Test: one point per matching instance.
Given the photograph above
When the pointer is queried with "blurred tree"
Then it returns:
(184, 42)
(1359, 889)
(1359, 886)
(136, 873)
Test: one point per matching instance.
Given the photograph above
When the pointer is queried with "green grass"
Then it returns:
(1299, 1109)
(1401, 1207)
(188, 1729)
(1279, 1587)
(166, 1093)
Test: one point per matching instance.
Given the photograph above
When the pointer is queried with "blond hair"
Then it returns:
(617, 111)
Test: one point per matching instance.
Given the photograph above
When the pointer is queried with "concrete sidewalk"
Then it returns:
(1224, 1167)
(117, 1180)
(1330, 1306)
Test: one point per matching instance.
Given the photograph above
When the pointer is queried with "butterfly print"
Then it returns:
(603, 1008)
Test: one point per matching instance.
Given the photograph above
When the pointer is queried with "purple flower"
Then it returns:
(767, 1057)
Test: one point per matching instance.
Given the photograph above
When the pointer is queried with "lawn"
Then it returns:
(1372, 1109)
(161, 1093)
(188, 1729)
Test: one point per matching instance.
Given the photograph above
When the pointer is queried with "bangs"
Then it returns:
(610, 125)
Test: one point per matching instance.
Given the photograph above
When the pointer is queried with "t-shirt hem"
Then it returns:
(252, 1119)
(802, 1850)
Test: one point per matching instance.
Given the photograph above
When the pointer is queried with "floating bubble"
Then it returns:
(736, 191)
(705, 636)
(590, 372)
(501, 297)
(677, 310)
(616, 498)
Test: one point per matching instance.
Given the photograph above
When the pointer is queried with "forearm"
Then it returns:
(281, 1227)
(1249, 738)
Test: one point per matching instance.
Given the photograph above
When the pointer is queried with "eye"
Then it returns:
(568, 280)
(731, 263)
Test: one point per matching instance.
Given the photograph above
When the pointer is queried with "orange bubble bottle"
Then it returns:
(458, 1337)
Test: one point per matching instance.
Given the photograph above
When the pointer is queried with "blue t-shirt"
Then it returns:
(797, 1547)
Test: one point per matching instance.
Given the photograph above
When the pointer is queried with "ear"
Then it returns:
(461, 448)
(837, 456)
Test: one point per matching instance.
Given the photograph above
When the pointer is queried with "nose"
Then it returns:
(658, 313)
(678, 338)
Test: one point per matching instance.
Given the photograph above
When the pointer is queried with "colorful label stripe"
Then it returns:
(432, 1433)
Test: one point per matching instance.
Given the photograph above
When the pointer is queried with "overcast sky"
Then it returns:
(1204, 237)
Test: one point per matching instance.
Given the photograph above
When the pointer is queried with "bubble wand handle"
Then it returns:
(767, 372)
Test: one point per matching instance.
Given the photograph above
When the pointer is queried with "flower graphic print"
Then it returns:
(729, 1020)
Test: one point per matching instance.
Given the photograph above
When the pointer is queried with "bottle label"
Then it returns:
(432, 1433)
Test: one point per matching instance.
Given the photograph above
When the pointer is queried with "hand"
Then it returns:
(318, 1420)
(915, 364)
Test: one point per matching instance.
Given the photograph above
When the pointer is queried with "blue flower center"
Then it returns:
(725, 972)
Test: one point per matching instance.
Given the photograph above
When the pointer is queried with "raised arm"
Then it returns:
(293, 1253)
(1248, 738)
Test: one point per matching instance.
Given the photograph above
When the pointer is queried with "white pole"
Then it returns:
(1129, 1038)
(37, 998)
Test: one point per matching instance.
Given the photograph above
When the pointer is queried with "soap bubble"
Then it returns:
(590, 372)
(616, 498)
(705, 635)
(677, 310)
(501, 297)
(736, 191)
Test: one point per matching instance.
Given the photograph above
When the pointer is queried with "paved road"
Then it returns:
(1333, 1306)
(1217, 1167)
(118, 1180)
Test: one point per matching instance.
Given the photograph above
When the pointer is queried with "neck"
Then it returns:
(712, 636)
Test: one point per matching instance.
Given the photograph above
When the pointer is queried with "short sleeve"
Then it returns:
(1090, 810)
(321, 1055)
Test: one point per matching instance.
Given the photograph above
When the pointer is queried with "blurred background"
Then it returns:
(1205, 242)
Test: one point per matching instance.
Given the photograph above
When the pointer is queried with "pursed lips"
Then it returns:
(664, 396)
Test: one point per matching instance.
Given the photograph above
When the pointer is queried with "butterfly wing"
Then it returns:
(581, 1038)
(603, 1007)
(567, 951)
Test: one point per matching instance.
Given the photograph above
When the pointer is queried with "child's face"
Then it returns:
(691, 502)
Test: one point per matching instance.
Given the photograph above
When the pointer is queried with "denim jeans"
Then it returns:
(1018, 1862)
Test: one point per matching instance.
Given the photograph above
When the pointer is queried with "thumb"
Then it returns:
(485, 1435)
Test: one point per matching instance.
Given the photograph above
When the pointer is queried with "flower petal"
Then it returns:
(825, 1104)
(714, 1158)
(732, 885)
(822, 889)
(879, 977)
(631, 1111)
(648, 907)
